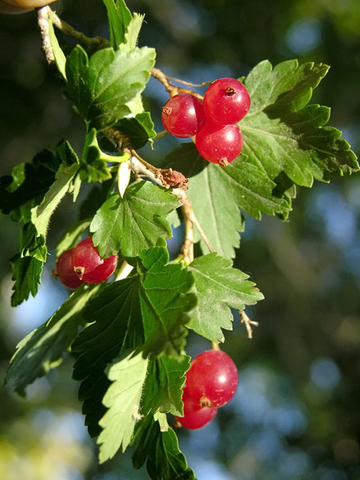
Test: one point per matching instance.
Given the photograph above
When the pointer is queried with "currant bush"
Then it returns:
(219, 143)
(89, 266)
(226, 101)
(183, 115)
(65, 270)
(212, 378)
(195, 416)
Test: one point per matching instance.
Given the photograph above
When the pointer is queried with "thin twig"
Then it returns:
(88, 42)
(202, 233)
(172, 89)
(189, 84)
(246, 320)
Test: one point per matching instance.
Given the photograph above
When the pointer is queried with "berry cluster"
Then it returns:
(84, 264)
(210, 383)
(213, 122)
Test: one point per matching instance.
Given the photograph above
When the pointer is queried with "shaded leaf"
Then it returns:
(43, 348)
(26, 277)
(160, 451)
(163, 386)
(138, 129)
(27, 185)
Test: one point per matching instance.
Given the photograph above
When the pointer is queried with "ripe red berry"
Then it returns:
(195, 416)
(65, 270)
(89, 266)
(219, 143)
(183, 115)
(226, 101)
(212, 378)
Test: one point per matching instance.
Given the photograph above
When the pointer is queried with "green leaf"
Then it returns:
(60, 58)
(223, 191)
(160, 450)
(103, 87)
(218, 287)
(138, 129)
(132, 31)
(129, 314)
(286, 142)
(42, 349)
(41, 214)
(93, 167)
(119, 18)
(122, 400)
(26, 277)
(134, 222)
(284, 135)
(71, 237)
(27, 185)
(164, 383)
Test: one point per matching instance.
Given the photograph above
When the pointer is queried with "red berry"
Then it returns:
(226, 101)
(65, 270)
(219, 143)
(89, 266)
(212, 378)
(195, 416)
(183, 115)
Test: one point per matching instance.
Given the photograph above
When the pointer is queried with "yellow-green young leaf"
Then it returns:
(122, 400)
(218, 287)
(41, 214)
(60, 58)
(119, 18)
(134, 222)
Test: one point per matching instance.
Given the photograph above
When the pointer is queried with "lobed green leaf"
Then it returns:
(218, 287)
(134, 222)
(122, 400)
(132, 314)
(223, 192)
(103, 86)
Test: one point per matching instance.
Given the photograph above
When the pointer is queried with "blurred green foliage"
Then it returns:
(297, 412)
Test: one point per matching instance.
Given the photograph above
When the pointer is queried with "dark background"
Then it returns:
(296, 414)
